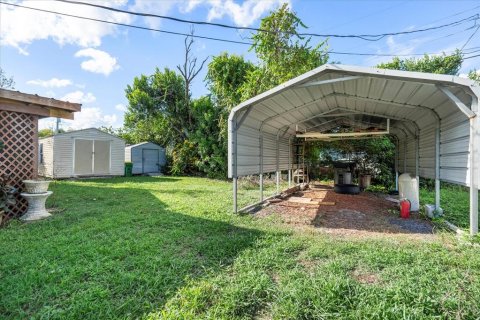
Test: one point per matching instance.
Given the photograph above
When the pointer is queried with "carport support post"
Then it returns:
(235, 190)
(277, 166)
(261, 166)
(396, 164)
(289, 162)
(437, 166)
(417, 157)
(474, 173)
(233, 124)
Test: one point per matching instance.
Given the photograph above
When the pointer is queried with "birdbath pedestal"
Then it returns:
(36, 206)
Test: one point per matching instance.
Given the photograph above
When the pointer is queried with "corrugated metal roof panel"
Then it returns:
(413, 99)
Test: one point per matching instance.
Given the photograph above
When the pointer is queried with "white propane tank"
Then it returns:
(408, 188)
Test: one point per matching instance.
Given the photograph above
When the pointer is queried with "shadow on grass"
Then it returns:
(112, 253)
(121, 180)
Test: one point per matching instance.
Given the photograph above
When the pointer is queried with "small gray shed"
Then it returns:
(147, 157)
(87, 152)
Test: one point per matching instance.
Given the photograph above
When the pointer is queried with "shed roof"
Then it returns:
(141, 144)
(76, 132)
(43, 107)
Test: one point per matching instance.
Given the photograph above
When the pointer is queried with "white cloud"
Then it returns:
(52, 83)
(79, 97)
(243, 15)
(99, 62)
(87, 118)
(21, 26)
(394, 47)
(153, 7)
(90, 117)
(121, 107)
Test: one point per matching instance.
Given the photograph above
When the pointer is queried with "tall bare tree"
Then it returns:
(190, 71)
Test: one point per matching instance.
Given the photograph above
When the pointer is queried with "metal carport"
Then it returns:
(433, 117)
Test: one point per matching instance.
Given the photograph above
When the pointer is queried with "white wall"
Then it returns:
(45, 169)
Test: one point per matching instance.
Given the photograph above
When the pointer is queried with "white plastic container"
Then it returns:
(408, 188)
(429, 210)
(347, 178)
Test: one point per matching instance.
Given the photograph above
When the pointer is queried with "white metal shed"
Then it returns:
(433, 117)
(146, 157)
(87, 152)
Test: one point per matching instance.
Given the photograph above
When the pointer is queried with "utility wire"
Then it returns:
(127, 25)
(470, 38)
(475, 56)
(367, 37)
(219, 39)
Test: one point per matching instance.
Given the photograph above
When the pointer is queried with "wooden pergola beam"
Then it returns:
(40, 111)
(16, 96)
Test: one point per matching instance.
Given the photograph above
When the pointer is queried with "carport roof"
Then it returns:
(419, 99)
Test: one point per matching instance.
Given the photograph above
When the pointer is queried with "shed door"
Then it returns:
(101, 157)
(83, 156)
(150, 160)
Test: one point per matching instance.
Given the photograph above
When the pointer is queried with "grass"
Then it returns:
(454, 200)
(169, 248)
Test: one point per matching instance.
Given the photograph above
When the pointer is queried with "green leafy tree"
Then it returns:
(210, 138)
(442, 64)
(282, 52)
(5, 81)
(156, 108)
(475, 76)
(119, 132)
(226, 75)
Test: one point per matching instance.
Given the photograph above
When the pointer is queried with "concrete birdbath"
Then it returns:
(36, 193)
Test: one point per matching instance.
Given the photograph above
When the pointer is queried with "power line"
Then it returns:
(224, 40)
(475, 56)
(389, 55)
(470, 38)
(367, 37)
(127, 25)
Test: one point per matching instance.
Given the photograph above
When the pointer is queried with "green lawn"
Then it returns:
(164, 247)
(455, 201)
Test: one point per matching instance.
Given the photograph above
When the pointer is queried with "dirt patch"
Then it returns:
(365, 277)
(362, 215)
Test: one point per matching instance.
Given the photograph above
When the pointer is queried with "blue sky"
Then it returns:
(92, 63)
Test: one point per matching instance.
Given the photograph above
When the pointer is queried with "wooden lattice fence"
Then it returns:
(19, 158)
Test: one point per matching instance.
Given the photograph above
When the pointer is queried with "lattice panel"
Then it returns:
(19, 133)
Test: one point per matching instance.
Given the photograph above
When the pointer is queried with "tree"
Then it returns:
(45, 133)
(475, 76)
(48, 132)
(282, 52)
(226, 75)
(210, 137)
(442, 64)
(119, 132)
(5, 81)
(156, 111)
(189, 72)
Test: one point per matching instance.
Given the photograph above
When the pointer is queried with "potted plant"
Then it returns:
(7, 196)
